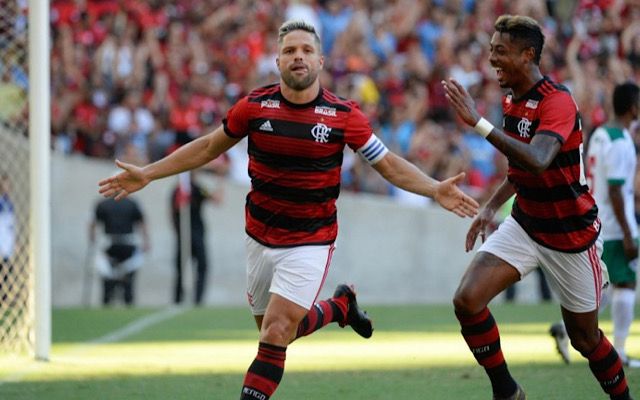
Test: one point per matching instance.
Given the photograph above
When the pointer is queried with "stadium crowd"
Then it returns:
(133, 79)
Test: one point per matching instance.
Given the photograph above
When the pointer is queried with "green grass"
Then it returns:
(416, 353)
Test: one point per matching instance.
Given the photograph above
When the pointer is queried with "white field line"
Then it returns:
(115, 336)
(136, 326)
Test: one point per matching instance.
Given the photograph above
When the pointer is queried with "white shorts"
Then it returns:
(295, 273)
(577, 278)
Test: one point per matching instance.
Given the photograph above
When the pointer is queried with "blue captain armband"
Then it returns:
(374, 150)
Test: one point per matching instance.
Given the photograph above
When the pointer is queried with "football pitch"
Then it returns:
(416, 352)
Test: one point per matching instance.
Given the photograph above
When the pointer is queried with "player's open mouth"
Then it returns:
(298, 68)
(499, 73)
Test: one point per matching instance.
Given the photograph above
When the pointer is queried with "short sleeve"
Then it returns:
(236, 123)
(558, 115)
(616, 169)
(358, 130)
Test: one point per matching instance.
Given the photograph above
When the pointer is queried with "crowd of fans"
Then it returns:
(133, 79)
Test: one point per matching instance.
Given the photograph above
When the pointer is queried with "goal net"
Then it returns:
(16, 278)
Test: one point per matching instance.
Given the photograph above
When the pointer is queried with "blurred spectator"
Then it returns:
(131, 121)
(119, 261)
(13, 97)
(195, 195)
(7, 236)
(188, 60)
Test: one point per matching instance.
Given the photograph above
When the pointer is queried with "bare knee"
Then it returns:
(584, 341)
(466, 303)
(278, 331)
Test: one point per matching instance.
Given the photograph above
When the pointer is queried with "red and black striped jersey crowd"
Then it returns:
(133, 79)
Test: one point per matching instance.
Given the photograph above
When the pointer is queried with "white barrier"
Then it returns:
(394, 254)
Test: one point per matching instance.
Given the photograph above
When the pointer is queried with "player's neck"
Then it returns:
(300, 96)
(622, 122)
(528, 81)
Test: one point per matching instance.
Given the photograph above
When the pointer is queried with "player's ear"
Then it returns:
(529, 53)
(278, 62)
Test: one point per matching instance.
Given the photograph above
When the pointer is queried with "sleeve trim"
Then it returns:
(228, 131)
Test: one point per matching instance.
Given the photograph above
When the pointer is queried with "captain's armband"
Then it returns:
(374, 150)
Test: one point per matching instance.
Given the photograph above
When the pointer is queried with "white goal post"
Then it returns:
(40, 167)
(25, 128)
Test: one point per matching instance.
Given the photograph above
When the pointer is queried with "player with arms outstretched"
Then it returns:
(297, 131)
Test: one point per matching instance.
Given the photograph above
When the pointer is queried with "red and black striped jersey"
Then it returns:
(555, 207)
(295, 160)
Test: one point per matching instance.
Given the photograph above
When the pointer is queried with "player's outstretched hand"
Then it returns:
(123, 184)
(479, 226)
(461, 101)
(450, 197)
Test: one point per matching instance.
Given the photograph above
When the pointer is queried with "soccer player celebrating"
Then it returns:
(554, 222)
(297, 131)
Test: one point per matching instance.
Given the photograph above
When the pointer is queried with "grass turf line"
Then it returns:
(416, 352)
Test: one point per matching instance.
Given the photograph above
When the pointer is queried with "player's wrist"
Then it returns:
(483, 127)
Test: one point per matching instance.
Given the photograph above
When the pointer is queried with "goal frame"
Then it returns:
(40, 171)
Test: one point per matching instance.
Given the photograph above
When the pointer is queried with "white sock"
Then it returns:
(622, 303)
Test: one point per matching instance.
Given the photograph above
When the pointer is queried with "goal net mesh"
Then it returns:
(16, 277)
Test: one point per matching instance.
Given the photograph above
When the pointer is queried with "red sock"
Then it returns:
(264, 373)
(607, 368)
(323, 313)
(481, 334)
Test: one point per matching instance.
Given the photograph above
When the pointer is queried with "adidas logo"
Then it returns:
(266, 126)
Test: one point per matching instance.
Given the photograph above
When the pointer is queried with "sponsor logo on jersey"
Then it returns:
(320, 133)
(266, 126)
(324, 110)
(533, 104)
(523, 127)
(270, 104)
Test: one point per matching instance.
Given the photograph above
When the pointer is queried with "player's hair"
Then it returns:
(625, 96)
(523, 29)
(298, 25)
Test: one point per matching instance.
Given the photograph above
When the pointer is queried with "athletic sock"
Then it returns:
(323, 313)
(622, 303)
(264, 373)
(481, 334)
(607, 368)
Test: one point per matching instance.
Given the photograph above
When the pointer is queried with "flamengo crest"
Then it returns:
(320, 133)
(523, 127)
